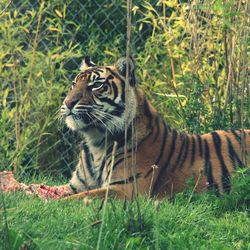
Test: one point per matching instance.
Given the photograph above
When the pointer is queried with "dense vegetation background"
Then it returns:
(191, 61)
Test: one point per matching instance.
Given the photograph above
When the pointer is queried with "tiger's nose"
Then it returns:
(70, 103)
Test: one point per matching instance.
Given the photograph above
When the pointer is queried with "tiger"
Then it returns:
(128, 149)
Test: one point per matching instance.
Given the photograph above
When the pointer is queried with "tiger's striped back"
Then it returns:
(166, 159)
(210, 159)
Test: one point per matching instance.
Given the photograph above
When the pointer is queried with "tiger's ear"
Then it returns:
(86, 63)
(121, 66)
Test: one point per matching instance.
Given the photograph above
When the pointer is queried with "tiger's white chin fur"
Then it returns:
(73, 124)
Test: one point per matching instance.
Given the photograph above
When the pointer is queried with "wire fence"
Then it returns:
(191, 59)
(93, 25)
(52, 39)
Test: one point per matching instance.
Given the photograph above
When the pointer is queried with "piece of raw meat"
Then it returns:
(8, 183)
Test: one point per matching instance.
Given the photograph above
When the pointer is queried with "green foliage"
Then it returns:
(197, 61)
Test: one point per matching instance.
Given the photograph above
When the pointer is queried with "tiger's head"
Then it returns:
(96, 99)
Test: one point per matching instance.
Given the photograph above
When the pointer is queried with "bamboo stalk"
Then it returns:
(33, 59)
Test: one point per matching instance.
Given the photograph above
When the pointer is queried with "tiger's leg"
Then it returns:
(116, 191)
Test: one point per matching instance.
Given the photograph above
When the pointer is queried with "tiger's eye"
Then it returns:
(97, 85)
(73, 85)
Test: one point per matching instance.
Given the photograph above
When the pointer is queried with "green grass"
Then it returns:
(202, 222)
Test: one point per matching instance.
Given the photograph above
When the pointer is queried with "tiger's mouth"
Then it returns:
(86, 118)
(78, 122)
(76, 119)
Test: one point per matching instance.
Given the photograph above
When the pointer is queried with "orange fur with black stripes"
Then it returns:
(163, 159)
